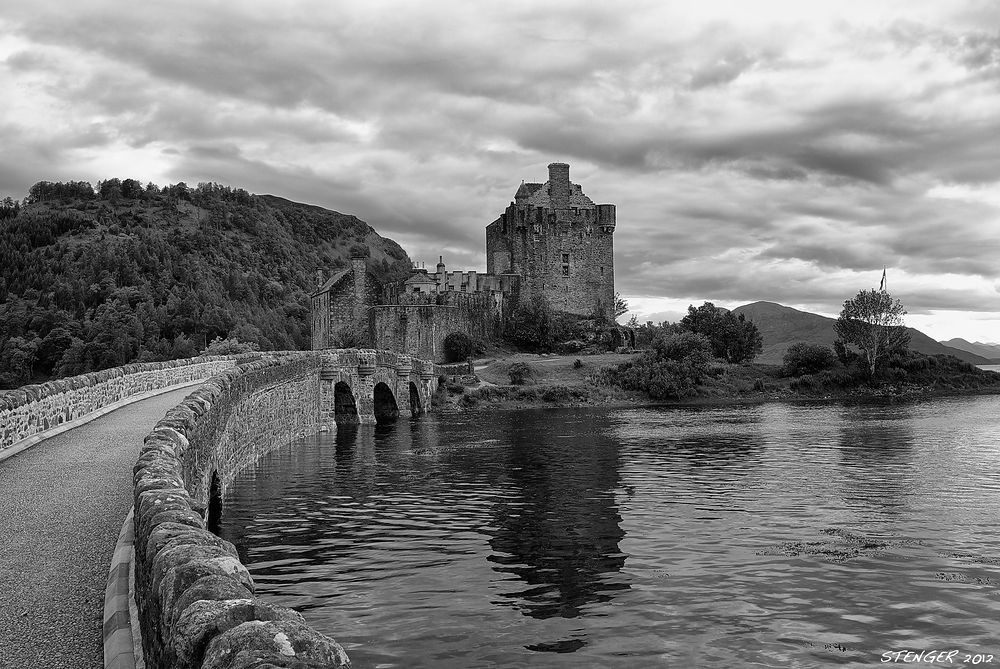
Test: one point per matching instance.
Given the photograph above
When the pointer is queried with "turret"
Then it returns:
(606, 217)
(442, 277)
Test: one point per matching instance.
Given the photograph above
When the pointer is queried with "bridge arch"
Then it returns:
(345, 406)
(416, 406)
(385, 407)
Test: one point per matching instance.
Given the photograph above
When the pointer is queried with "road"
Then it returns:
(62, 503)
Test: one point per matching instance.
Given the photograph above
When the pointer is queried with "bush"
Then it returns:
(519, 373)
(671, 369)
(458, 346)
(348, 336)
(577, 364)
(558, 393)
(803, 358)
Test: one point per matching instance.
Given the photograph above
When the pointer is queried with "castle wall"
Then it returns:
(348, 305)
(320, 334)
(419, 325)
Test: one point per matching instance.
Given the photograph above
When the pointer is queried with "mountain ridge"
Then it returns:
(991, 351)
(782, 326)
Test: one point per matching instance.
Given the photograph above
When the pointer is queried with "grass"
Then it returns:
(563, 380)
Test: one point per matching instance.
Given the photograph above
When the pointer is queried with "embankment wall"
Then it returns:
(32, 409)
(197, 608)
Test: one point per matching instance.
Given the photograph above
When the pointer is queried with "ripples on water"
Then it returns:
(777, 535)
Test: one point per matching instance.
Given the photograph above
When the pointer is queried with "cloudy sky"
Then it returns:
(755, 150)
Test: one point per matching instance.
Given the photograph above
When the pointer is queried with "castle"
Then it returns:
(551, 241)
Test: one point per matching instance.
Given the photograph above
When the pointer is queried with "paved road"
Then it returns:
(62, 503)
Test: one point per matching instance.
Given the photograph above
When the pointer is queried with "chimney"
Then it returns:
(359, 269)
(559, 185)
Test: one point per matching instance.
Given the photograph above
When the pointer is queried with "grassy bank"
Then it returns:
(551, 380)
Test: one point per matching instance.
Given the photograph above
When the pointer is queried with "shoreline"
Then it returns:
(456, 405)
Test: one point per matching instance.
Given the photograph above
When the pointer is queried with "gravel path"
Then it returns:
(62, 503)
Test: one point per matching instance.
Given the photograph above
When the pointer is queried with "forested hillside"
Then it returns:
(95, 278)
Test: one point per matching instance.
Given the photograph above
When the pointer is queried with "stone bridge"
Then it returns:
(244, 406)
(368, 386)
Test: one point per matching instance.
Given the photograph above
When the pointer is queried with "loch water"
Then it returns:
(774, 535)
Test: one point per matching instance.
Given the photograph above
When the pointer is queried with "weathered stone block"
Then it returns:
(286, 644)
(210, 588)
(204, 620)
(177, 579)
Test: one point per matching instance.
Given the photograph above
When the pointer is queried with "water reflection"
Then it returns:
(559, 533)
(714, 537)
(876, 443)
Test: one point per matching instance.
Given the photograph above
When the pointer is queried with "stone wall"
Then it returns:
(420, 329)
(197, 607)
(32, 409)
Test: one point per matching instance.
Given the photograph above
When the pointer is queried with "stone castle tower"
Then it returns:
(559, 242)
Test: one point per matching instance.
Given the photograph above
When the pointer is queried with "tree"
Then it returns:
(873, 322)
(458, 346)
(621, 305)
(733, 339)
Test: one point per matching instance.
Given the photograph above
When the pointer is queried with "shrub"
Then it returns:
(558, 393)
(519, 373)
(458, 346)
(671, 369)
(348, 335)
(577, 364)
(803, 358)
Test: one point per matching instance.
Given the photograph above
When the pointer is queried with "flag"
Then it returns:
(882, 285)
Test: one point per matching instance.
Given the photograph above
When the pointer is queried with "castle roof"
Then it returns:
(333, 281)
(539, 196)
(419, 277)
(527, 190)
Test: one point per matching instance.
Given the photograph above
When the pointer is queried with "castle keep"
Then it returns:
(559, 242)
(551, 242)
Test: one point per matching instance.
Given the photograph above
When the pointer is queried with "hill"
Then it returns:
(95, 278)
(781, 326)
(991, 351)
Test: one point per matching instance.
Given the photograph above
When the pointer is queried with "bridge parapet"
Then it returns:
(33, 409)
(196, 601)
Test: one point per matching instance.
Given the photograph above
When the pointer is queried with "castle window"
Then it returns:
(565, 270)
(602, 270)
(565, 258)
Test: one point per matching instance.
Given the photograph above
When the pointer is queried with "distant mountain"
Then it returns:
(781, 326)
(991, 351)
(96, 278)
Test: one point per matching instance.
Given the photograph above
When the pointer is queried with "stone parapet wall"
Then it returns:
(32, 409)
(197, 608)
